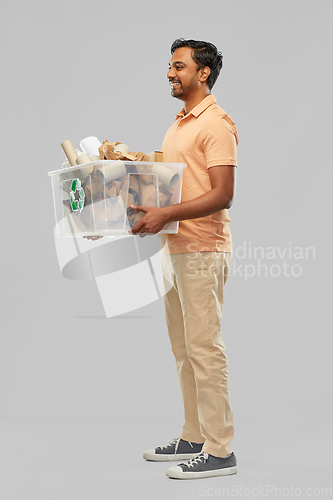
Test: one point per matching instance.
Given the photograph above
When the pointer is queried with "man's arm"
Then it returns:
(222, 179)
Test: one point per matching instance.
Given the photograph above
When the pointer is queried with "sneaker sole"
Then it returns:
(159, 457)
(175, 473)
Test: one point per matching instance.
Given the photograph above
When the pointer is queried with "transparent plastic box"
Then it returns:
(95, 198)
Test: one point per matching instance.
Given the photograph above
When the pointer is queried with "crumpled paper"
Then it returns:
(106, 152)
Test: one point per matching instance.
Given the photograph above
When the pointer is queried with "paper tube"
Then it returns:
(81, 160)
(165, 175)
(69, 151)
(111, 172)
(90, 145)
(84, 158)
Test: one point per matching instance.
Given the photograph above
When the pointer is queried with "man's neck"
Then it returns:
(193, 101)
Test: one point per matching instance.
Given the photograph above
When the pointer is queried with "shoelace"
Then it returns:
(202, 457)
(175, 441)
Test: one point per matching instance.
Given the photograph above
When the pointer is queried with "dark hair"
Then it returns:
(204, 54)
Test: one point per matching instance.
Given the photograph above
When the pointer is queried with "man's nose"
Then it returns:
(171, 73)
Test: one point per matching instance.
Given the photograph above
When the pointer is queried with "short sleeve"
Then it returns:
(220, 140)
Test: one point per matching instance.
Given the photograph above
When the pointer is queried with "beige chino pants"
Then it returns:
(193, 299)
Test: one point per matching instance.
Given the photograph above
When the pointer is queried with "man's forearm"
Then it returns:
(204, 205)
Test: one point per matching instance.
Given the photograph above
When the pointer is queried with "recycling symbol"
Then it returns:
(77, 196)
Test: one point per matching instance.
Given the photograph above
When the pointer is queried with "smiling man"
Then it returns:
(196, 262)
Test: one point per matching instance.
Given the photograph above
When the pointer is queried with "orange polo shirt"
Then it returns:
(205, 137)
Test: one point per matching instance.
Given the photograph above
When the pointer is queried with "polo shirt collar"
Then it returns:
(199, 108)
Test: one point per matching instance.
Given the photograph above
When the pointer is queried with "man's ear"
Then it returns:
(204, 74)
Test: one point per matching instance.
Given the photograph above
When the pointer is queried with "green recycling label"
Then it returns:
(77, 196)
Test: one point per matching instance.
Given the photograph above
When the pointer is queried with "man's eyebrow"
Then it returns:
(176, 62)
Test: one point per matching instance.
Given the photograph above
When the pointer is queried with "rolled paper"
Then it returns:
(84, 158)
(112, 171)
(165, 175)
(69, 151)
(90, 145)
(81, 160)
(122, 148)
(95, 158)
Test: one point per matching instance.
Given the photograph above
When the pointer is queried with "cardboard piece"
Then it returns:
(147, 194)
(158, 156)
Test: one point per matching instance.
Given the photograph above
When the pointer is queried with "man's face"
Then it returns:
(183, 74)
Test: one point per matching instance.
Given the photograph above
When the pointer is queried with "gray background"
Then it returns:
(82, 396)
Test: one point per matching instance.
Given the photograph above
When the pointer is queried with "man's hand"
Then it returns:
(152, 222)
(94, 238)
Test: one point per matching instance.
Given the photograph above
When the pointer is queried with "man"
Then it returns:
(196, 262)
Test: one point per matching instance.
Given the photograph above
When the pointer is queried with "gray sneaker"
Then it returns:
(204, 465)
(177, 449)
